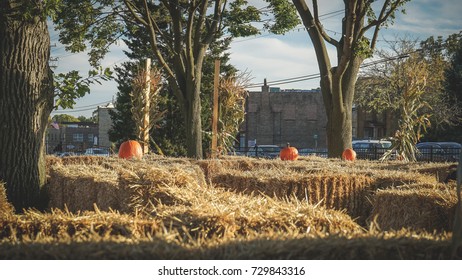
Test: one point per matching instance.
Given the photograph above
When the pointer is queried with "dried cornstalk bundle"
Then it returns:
(5, 207)
(231, 109)
(145, 105)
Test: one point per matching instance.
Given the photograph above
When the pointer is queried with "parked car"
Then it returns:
(452, 150)
(370, 149)
(430, 151)
(264, 151)
(438, 151)
(97, 152)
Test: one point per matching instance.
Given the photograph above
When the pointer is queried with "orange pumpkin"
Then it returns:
(289, 153)
(349, 154)
(130, 149)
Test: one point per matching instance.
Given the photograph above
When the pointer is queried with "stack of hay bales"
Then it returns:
(176, 195)
(5, 207)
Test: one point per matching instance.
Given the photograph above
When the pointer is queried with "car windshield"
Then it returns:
(386, 145)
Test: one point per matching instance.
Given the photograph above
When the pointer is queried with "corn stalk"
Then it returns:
(231, 110)
(139, 101)
(413, 123)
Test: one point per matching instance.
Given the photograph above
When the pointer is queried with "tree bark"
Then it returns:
(193, 121)
(26, 101)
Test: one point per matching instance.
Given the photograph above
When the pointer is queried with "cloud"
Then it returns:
(425, 18)
(275, 59)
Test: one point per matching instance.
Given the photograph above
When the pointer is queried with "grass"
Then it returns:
(235, 208)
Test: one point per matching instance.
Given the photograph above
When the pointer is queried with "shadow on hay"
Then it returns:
(329, 248)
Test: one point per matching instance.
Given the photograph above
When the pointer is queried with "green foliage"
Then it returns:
(64, 118)
(362, 48)
(69, 86)
(33, 10)
(238, 19)
(96, 22)
(123, 126)
(285, 16)
(450, 52)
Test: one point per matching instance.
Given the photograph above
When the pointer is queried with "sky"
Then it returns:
(276, 57)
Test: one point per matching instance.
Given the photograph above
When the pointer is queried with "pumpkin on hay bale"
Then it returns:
(289, 153)
(130, 149)
(349, 154)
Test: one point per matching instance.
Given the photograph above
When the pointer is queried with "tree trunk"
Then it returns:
(338, 101)
(339, 132)
(193, 121)
(26, 101)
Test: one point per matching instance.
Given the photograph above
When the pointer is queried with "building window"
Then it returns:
(90, 138)
(77, 137)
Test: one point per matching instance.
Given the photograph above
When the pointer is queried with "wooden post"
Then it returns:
(216, 82)
(147, 109)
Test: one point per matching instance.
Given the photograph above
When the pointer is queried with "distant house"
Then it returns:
(277, 117)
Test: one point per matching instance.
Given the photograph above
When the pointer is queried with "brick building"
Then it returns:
(276, 117)
(71, 137)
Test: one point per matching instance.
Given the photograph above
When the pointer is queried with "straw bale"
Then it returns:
(363, 247)
(86, 160)
(418, 209)
(82, 226)
(5, 206)
(265, 247)
(78, 187)
(146, 186)
(124, 185)
(383, 179)
(337, 191)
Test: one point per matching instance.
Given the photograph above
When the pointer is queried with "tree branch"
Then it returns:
(319, 26)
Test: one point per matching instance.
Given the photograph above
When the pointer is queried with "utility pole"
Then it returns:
(216, 82)
(147, 109)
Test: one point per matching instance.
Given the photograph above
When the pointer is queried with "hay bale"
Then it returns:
(127, 186)
(383, 179)
(5, 207)
(78, 187)
(416, 209)
(335, 191)
(144, 188)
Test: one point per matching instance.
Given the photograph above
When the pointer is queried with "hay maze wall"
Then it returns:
(179, 191)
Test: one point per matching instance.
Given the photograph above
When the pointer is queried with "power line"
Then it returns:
(318, 75)
(82, 108)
